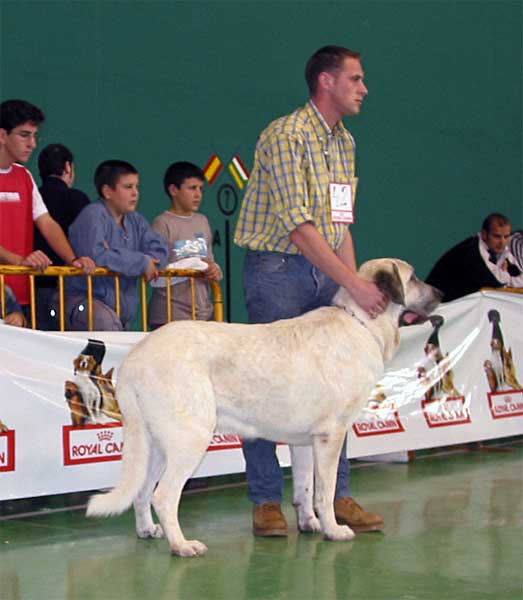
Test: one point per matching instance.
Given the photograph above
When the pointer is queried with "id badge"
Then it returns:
(341, 202)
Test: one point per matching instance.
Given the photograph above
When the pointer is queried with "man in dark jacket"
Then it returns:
(483, 260)
(64, 203)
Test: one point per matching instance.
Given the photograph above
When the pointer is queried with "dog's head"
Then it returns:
(397, 280)
(90, 359)
(86, 364)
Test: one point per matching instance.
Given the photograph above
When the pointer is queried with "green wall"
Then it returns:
(439, 137)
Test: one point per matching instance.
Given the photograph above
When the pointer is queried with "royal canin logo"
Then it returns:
(92, 443)
(7, 451)
(378, 422)
(221, 441)
(505, 404)
(446, 411)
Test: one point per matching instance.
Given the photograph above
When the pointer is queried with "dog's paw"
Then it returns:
(155, 532)
(309, 524)
(190, 548)
(340, 533)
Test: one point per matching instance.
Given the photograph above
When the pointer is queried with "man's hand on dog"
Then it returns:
(370, 298)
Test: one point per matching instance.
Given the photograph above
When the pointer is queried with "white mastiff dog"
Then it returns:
(302, 381)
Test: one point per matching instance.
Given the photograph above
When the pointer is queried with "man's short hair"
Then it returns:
(494, 219)
(52, 159)
(18, 112)
(110, 171)
(178, 172)
(327, 59)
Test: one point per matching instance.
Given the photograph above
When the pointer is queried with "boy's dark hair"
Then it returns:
(52, 159)
(329, 59)
(17, 112)
(494, 219)
(109, 172)
(178, 172)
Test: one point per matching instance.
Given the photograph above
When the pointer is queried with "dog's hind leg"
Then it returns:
(184, 445)
(145, 525)
(326, 449)
(303, 488)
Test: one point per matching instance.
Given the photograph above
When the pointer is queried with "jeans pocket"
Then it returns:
(276, 264)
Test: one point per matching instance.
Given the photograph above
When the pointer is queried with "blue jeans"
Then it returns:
(282, 286)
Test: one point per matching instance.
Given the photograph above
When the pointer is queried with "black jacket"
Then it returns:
(64, 204)
(462, 271)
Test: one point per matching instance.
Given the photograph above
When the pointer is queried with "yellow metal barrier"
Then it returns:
(64, 272)
(504, 289)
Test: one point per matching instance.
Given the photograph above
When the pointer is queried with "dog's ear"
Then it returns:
(390, 283)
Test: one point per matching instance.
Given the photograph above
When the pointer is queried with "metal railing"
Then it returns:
(63, 272)
(510, 290)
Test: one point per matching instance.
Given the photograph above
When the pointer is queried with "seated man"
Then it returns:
(479, 261)
(115, 236)
(13, 310)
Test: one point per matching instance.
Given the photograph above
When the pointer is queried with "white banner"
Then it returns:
(455, 379)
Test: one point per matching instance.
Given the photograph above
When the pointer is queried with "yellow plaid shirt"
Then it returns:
(296, 158)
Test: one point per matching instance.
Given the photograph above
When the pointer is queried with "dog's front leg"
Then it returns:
(303, 488)
(327, 448)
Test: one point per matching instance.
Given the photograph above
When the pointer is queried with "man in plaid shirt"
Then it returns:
(300, 249)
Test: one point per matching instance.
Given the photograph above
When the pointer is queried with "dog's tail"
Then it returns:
(134, 462)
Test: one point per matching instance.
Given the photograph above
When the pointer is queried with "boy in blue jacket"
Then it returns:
(115, 236)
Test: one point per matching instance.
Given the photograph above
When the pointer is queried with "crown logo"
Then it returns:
(105, 435)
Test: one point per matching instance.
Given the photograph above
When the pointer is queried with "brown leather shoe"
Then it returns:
(349, 512)
(268, 520)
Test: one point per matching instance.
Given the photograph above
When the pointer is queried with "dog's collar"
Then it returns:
(351, 313)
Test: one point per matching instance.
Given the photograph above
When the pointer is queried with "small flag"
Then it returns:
(239, 171)
(212, 169)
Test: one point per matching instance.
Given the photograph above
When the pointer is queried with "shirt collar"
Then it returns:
(53, 180)
(103, 202)
(321, 124)
(484, 251)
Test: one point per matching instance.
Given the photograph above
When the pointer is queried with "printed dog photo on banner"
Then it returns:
(442, 403)
(95, 434)
(380, 416)
(91, 395)
(506, 394)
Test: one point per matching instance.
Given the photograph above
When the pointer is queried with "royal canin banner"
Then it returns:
(455, 379)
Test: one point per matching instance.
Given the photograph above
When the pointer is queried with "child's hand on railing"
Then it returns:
(213, 273)
(16, 319)
(36, 260)
(152, 270)
(86, 263)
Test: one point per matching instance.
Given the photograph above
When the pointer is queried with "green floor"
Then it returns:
(454, 530)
